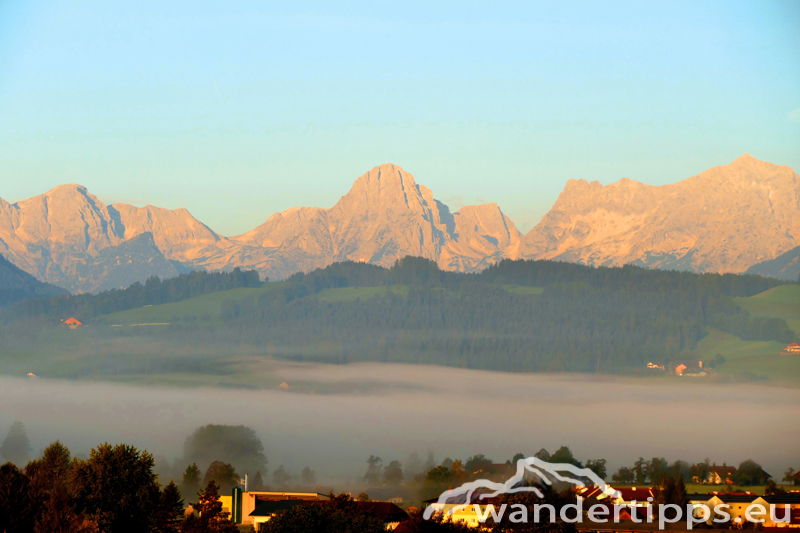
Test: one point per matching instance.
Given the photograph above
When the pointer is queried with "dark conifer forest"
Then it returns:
(578, 318)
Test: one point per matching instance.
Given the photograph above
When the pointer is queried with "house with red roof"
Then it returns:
(72, 323)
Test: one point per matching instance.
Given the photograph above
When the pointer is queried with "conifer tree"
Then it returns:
(17, 511)
(258, 481)
(209, 516)
(191, 480)
(169, 514)
(308, 476)
(16, 447)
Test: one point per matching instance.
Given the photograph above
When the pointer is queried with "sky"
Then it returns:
(237, 110)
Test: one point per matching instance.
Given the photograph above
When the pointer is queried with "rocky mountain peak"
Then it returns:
(384, 187)
(721, 220)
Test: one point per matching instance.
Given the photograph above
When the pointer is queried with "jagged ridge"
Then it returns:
(723, 220)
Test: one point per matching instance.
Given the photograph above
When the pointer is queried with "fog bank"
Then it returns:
(392, 410)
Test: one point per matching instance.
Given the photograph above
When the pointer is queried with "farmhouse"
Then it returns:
(691, 366)
(72, 323)
(791, 349)
(717, 475)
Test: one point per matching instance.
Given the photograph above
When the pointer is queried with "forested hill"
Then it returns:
(582, 318)
(514, 316)
(17, 285)
(153, 292)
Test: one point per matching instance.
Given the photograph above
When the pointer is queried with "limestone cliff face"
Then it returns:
(178, 235)
(69, 238)
(723, 220)
(385, 216)
(483, 235)
(50, 235)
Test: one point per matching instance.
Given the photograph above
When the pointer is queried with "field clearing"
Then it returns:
(349, 294)
(202, 308)
(693, 488)
(524, 290)
(782, 302)
(757, 358)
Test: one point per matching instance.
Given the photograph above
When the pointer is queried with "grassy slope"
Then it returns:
(761, 358)
(209, 306)
(756, 357)
(782, 302)
(206, 307)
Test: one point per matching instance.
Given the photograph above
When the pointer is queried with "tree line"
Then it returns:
(611, 319)
(585, 319)
(154, 291)
(118, 488)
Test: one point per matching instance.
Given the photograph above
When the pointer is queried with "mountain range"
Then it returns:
(726, 219)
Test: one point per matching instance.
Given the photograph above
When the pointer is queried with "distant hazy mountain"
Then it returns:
(117, 267)
(723, 220)
(785, 266)
(17, 285)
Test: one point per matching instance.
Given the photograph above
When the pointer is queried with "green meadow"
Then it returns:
(757, 358)
(202, 308)
(104, 349)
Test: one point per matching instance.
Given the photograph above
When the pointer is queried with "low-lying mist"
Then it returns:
(392, 410)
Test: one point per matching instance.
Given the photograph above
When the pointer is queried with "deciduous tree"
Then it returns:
(393, 474)
(373, 474)
(116, 487)
(340, 514)
(223, 474)
(237, 445)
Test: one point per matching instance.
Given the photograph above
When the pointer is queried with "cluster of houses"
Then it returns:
(629, 504)
(253, 508)
(694, 367)
(636, 504)
(687, 367)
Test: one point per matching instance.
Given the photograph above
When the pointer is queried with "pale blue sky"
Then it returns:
(237, 110)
